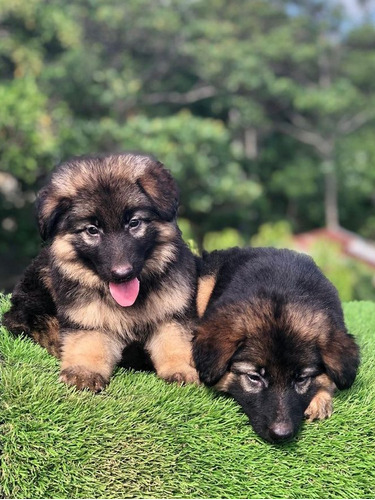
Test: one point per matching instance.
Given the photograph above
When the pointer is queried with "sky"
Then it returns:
(356, 11)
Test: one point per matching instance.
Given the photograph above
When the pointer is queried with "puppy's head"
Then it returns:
(273, 361)
(110, 219)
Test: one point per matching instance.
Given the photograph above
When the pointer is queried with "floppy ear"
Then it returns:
(341, 358)
(159, 186)
(215, 342)
(50, 209)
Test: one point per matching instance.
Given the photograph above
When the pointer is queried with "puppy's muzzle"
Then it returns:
(121, 273)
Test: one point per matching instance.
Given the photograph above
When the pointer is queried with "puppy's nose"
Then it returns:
(121, 273)
(281, 430)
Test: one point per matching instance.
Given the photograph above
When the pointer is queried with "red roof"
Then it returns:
(350, 243)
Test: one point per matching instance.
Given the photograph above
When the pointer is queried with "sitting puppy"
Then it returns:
(115, 270)
(272, 334)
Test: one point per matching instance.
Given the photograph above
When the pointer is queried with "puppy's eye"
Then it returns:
(134, 223)
(302, 380)
(92, 230)
(254, 378)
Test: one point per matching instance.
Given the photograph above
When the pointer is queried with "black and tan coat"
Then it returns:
(272, 334)
(109, 223)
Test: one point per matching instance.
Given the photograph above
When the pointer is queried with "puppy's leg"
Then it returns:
(33, 311)
(320, 406)
(46, 333)
(171, 353)
(88, 358)
(43, 329)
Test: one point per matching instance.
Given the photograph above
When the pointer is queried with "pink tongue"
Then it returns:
(125, 294)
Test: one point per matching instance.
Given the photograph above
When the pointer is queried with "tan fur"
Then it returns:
(131, 168)
(78, 272)
(65, 259)
(98, 314)
(169, 300)
(150, 186)
(62, 248)
(49, 336)
(254, 317)
(67, 186)
(92, 350)
(205, 288)
(320, 406)
(49, 206)
(308, 323)
(259, 315)
(170, 351)
(225, 382)
(166, 231)
(46, 278)
(160, 258)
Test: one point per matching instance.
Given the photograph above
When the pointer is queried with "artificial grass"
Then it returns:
(144, 438)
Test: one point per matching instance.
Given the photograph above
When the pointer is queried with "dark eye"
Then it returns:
(254, 378)
(302, 380)
(134, 223)
(92, 230)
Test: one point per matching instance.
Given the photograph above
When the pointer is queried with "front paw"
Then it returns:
(320, 407)
(82, 378)
(182, 375)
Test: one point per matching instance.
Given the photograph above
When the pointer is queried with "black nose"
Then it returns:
(121, 273)
(281, 430)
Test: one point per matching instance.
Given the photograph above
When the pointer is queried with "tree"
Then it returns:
(254, 106)
(216, 192)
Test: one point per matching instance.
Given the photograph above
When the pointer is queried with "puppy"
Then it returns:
(272, 334)
(114, 270)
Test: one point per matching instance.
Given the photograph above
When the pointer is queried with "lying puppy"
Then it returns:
(272, 334)
(115, 270)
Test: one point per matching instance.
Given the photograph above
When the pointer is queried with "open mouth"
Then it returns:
(125, 294)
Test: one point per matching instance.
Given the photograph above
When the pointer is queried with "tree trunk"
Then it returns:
(330, 195)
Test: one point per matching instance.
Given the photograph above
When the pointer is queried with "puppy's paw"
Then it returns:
(320, 406)
(82, 378)
(182, 375)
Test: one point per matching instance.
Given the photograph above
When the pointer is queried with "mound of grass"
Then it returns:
(144, 438)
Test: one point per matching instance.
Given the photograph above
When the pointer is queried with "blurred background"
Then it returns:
(264, 111)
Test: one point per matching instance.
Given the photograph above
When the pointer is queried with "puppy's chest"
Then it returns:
(99, 311)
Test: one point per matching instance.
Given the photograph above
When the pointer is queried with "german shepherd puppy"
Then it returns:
(115, 270)
(272, 334)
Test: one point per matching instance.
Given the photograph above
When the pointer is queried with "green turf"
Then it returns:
(144, 438)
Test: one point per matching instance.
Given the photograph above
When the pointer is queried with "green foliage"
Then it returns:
(218, 240)
(26, 129)
(277, 235)
(353, 280)
(335, 267)
(143, 438)
(199, 153)
(245, 102)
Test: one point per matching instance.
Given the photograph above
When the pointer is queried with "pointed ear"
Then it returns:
(341, 358)
(160, 187)
(50, 209)
(215, 342)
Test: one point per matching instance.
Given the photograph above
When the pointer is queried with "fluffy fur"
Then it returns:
(109, 219)
(272, 334)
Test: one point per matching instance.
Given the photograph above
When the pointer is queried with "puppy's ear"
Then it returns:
(341, 358)
(50, 209)
(160, 187)
(215, 342)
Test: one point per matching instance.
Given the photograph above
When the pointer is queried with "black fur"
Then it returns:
(276, 311)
